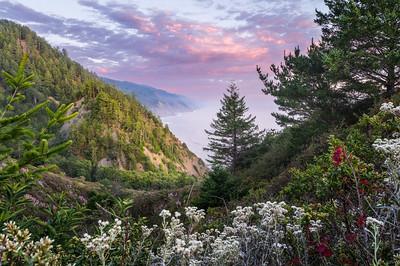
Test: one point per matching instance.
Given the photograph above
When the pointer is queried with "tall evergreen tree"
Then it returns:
(363, 38)
(303, 90)
(233, 132)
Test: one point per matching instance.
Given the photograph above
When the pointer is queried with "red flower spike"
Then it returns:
(338, 156)
(361, 220)
(350, 237)
(364, 182)
(323, 250)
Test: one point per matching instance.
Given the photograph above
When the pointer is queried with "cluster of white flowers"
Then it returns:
(388, 146)
(146, 231)
(15, 242)
(101, 243)
(194, 214)
(271, 212)
(390, 108)
(391, 149)
(374, 222)
(315, 225)
(242, 216)
(225, 250)
(257, 234)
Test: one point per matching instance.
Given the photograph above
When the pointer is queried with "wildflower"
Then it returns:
(101, 244)
(350, 237)
(364, 182)
(361, 220)
(386, 107)
(323, 249)
(15, 242)
(165, 213)
(315, 225)
(338, 156)
(373, 221)
(390, 108)
(194, 214)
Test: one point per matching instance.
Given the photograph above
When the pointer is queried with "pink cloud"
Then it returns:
(103, 70)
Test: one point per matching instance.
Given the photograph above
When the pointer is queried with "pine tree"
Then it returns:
(363, 37)
(233, 132)
(216, 189)
(303, 90)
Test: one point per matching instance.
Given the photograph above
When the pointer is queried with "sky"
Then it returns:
(190, 47)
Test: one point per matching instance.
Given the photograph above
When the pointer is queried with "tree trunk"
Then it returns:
(391, 80)
(235, 155)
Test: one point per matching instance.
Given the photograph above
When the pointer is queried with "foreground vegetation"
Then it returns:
(350, 219)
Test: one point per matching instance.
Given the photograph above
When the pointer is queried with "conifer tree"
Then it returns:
(302, 89)
(233, 132)
(363, 38)
(23, 151)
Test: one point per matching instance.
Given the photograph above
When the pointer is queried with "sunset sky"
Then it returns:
(191, 47)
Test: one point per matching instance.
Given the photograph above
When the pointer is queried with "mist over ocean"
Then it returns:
(189, 126)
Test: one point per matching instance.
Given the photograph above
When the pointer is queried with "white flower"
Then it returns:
(165, 213)
(386, 107)
(101, 243)
(194, 214)
(315, 225)
(372, 221)
(271, 212)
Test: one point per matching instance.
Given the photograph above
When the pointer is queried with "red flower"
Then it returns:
(323, 250)
(338, 156)
(350, 237)
(364, 182)
(361, 220)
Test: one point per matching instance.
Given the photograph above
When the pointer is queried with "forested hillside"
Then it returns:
(112, 129)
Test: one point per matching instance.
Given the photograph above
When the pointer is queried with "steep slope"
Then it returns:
(161, 102)
(112, 129)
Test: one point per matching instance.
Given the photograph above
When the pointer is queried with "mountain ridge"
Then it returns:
(161, 102)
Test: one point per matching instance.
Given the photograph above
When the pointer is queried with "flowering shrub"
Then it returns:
(261, 234)
(17, 248)
(101, 244)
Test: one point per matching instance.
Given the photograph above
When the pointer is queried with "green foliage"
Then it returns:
(291, 146)
(148, 180)
(217, 189)
(63, 219)
(322, 180)
(233, 132)
(303, 90)
(363, 39)
(24, 151)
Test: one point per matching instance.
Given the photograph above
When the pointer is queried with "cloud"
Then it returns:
(165, 49)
